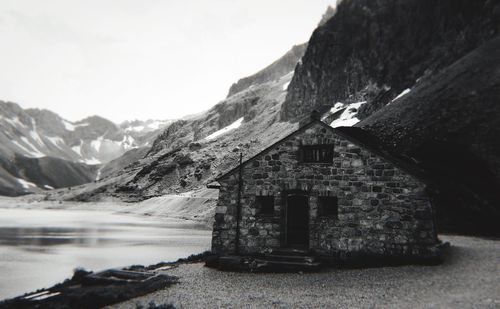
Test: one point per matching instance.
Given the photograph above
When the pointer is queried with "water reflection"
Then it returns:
(47, 236)
(41, 247)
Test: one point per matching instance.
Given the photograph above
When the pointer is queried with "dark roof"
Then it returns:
(375, 145)
(302, 128)
(357, 136)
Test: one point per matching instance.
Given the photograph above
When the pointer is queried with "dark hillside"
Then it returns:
(449, 125)
(55, 172)
(373, 50)
(22, 175)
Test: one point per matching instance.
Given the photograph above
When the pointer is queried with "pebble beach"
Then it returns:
(469, 278)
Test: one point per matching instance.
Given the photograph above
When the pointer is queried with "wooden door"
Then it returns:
(297, 221)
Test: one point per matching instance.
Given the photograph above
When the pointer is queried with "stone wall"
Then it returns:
(381, 209)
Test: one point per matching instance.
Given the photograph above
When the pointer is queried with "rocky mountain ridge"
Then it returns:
(374, 50)
(34, 143)
(280, 67)
(93, 140)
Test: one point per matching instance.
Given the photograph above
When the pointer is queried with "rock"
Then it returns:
(372, 50)
(195, 146)
(183, 159)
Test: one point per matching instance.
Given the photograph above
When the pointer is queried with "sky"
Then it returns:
(141, 59)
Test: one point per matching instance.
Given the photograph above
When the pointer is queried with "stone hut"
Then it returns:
(324, 191)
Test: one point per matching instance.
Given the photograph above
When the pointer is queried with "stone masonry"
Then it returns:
(382, 210)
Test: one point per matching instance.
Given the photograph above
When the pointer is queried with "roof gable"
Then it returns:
(299, 130)
(356, 136)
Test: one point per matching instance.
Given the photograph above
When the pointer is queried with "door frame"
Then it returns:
(284, 216)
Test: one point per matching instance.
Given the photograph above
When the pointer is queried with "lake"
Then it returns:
(41, 247)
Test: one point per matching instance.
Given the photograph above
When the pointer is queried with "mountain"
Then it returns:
(374, 50)
(281, 67)
(417, 77)
(193, 150)
(21, 175)
(35, 143)
(144, 131)
(330, 11)
(118, 164)
(94, 140)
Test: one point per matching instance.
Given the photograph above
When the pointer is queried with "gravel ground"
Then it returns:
(469, 278)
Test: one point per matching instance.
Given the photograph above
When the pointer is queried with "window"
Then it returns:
(265, 205)
(317, 154)
(328, 206)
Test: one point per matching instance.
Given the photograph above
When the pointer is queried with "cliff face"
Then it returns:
(373, 50)
(279, 68)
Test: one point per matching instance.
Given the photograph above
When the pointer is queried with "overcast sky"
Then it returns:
(141, 59)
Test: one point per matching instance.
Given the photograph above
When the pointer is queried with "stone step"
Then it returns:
(290, 258)
(290, 251)
(269, 263)
(264, 265)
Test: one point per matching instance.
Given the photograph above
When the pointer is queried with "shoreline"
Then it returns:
(158, 210)
(188, 206)
(467, 278)
(94, 287)
(470, 258)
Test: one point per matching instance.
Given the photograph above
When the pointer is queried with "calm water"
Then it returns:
(41, 247)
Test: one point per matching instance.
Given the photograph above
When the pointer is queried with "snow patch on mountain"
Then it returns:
(327, 117)
(402, 94)
(14, 121)
(26, 150)
(72, 126)
(69, 126)
(78, 149)
(34, 152)
(136, 128)
(36, 137)
(128, 142)
(338, 106)
(348, 117)
(91, 161)
(26, 184)
(224, 130)
(57, 141)
(96, 144)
